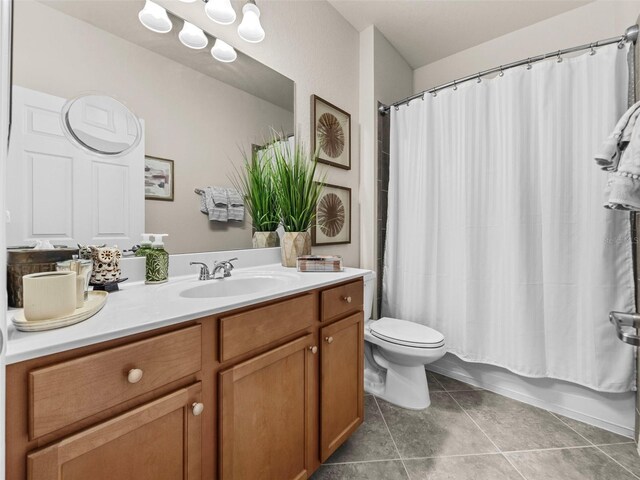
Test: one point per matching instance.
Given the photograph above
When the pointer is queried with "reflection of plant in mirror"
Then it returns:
(256, 185)
(297, 189)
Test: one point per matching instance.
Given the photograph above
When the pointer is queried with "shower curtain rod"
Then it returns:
(630, 35)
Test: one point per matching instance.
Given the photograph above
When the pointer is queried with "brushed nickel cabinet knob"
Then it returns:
(197, 408)
(313, 349)
(328, 339)
(135, 375)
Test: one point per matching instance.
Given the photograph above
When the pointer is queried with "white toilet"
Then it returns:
(396, 352)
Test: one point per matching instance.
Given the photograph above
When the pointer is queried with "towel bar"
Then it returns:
(621, 319)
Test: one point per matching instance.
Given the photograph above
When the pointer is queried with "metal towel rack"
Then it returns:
(621, 319)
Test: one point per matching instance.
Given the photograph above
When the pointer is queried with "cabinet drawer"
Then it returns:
(342, 300)
(62, 394)
(161, 440)
(258, 327)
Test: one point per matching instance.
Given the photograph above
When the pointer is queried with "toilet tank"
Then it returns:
(369, 291)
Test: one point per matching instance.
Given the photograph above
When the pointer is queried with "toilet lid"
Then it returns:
(406, 333)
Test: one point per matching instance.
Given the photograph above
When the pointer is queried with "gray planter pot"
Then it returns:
(265, 239)
(294, 245)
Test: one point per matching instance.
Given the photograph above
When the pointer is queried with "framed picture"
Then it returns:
(158, 179)
(333, 217)
(331, 133)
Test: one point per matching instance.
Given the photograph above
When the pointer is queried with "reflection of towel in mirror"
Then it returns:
(236, 205)
(216, 201)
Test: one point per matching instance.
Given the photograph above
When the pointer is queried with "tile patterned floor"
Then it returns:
(473, 434)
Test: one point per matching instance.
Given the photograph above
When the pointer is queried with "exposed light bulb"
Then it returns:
(220, 11)
(192, 36)
(155, 18)
(223, 52)
(250, 29)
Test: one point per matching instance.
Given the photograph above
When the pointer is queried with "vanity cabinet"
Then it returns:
(264, 392)
(341, 382)
(265, 414)
(161, 440)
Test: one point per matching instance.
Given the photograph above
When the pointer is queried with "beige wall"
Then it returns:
(385, 76)
(311, 43)
(190, 118)
(594, 21)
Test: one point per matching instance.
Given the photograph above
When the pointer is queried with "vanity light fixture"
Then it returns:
(192, 36)
(223, 52)
(155, 18)
(220, 11)
(250, 29)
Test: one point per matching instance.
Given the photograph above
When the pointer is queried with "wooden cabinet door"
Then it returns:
(341, 382)
(265, 414)
(161, 440)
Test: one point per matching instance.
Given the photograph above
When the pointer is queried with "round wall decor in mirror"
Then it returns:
(101, 125)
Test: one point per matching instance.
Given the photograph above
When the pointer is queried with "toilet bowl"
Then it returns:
(396, 352)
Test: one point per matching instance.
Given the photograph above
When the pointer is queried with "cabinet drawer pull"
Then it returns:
(197, 408)
(135, 375)
(347, 299)
(313, 349)
(328, 339)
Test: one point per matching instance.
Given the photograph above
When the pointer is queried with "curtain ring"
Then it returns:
(529, 66)
(621, 43)
(422, 97)
(593, 50)
(434, 93)
(455, 85)
(501, 74)
(479, 79)
(559, 60)
(397, 108)
(408, 102)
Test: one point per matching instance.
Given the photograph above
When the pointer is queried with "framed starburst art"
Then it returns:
(331, 133)
(333, 217)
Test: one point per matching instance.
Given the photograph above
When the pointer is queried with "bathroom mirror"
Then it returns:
(196, 118)
(100, 124)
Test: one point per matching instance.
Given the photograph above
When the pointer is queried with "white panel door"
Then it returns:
(62, 193)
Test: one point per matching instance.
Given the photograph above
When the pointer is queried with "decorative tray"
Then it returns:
(92, 305)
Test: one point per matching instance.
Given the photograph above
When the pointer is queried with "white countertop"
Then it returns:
(138, 308)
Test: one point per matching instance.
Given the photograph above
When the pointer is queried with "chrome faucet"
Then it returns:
(224, 266)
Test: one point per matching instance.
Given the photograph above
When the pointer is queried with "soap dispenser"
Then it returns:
(157, 261)
(145, 245)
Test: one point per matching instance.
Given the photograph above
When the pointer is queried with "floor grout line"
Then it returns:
(392, 439)
(594, 445)
(488, 437)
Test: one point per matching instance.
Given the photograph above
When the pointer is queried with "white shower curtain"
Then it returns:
(496, 233)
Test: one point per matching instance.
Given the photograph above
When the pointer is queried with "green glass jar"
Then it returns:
(157, 262)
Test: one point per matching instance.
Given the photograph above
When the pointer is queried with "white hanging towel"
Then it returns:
(236, 205)
(621, 155)
(617, 142)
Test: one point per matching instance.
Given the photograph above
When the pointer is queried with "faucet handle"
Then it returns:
(227, 266)
(204, 270)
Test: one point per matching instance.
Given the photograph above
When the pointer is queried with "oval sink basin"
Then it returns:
(235, 286)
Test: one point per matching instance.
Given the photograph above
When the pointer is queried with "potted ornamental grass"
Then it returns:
(297, 191)
(255, 182)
